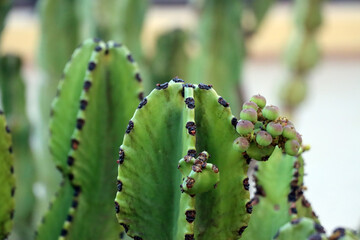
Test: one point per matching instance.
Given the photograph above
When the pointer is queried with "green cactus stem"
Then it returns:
(174, 122)
(7, 179)
(5, 6)
(302, 53)
(343, 234)
(13, 97)
(271, 206)
(170, 57)
(219, 56)
(99, 91)
(301, 229)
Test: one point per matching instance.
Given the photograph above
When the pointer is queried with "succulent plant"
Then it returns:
(301, 228)
(191, 119)
(100, 89)
(7, 179)
(170, 56)
(302, 52)
(75, 21)
(5, 6)
(12, 93)
(220, 51)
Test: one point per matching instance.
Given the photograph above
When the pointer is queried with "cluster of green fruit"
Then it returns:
(262, 125)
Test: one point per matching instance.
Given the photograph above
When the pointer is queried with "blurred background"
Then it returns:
(323, 98)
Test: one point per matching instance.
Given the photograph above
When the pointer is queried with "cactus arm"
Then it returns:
(7, 179)
(141, 206)
(216, 131)
(271, 205)
(100, 89)
(171, 57)
(220, 52)
(56, 46)
(5, 6)
(301, 229)
(52, 223)
(150, 143)
(302, 53)
(112, 74)
(66, 105)
(13, 97)
(132, 15)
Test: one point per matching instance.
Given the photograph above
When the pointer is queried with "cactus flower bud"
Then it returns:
(249, 104)
(241, 144)
(259, 100)
(271, 112)
(244, 127)
(275, 129)
(263, 138)
(292, 147)
(289, 132)
(249, 114)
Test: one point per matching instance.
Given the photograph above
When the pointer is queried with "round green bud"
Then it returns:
(249, 114)
(292, 147)
(263, 138)
(271, 112)
(289, 132)
(241, 144)
(259, 100)
(244, 127)
(249, 104)
(275, 129)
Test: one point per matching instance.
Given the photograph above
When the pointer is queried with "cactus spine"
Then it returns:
(100, 89)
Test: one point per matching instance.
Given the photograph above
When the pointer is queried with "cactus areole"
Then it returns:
(182, 167)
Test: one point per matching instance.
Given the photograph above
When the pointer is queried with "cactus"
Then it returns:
(302, 52)
(13, 98)
(83, 140)
(5, 6)
(170, 58)
(271, 204)
(301, 229)
(191, 119)
(7, 179)
(180, 120)
(220, 54)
